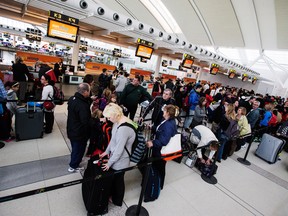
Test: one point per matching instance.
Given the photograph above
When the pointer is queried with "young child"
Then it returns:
(12, 95)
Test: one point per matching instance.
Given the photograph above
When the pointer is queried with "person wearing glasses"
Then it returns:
(157, 105)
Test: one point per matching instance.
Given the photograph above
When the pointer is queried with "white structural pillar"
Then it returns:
(158, 63)
(75, 53)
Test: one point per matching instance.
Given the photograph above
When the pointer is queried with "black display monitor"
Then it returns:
(144, 51)
(231, 74)
(187, 63)
(61, 30)
(144, 60)
(245, 77)
(214, 69)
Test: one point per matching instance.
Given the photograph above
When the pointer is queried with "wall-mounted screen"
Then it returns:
(187, 63)
(214, 68)
(61, 30)
(144, 60)
(232, 73)
(245, 77)
(254, 80)
(144, 51)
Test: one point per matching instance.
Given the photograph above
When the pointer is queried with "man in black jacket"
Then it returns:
(133, 94)
(19, 71)
(157, 105)
(78, 124)
(104, 81)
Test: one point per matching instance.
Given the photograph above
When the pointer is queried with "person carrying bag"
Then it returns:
(164, 134)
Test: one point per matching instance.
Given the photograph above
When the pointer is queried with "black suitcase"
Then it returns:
(5, 124)
(29, 123)
(96, 192)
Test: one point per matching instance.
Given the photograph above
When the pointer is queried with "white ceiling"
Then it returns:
(253, 33)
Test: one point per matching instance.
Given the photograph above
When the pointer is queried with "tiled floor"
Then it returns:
(240, 190)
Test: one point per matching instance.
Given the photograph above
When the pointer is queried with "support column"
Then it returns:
(75, 53)
(158, 63)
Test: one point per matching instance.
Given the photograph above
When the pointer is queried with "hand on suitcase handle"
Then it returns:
(105, 167)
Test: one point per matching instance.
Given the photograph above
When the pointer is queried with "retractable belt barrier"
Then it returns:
(79, 181)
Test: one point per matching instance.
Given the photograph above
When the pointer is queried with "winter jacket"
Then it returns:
(193, 99)
(19, 72)
(164, 132)
(132, 95)
(78, 118)
(244, 126)
(157, 105)
(253, 117)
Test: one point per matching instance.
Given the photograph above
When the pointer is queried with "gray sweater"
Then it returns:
(200, 113)
(120, 83)
(121, 137)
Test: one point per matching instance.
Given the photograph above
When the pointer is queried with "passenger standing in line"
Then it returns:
(47, 94)
(120, 84)
(19, 71)
(78, 124)
(157, 105)
(120, 144)
(193, 101)
(200, 113)
(132, 95)
(164, 132)
(104, 81)
(12, 95)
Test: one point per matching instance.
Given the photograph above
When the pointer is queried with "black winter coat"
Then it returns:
(19, 72)
(78, 118)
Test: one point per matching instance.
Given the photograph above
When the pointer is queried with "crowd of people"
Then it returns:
(95, 118)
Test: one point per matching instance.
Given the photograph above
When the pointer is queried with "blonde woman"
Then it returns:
(122, 137)
(228, 129)
(244, 126)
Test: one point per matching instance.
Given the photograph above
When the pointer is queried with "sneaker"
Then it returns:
(244, 146)
(70, 169)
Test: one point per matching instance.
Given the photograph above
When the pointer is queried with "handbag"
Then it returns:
(173, 147)
(48, 105)
(191, 159)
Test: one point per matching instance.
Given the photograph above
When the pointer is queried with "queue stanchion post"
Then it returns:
(139, 210)
(244, 160)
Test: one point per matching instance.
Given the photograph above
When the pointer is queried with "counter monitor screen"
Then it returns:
(187, 63)
(144, 60)
(214, 69)
(61, 30)
(144, 51)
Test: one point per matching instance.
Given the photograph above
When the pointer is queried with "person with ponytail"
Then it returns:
(165, 130)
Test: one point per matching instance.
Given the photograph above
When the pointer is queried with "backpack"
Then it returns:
(232, 131)
(106, 137)
(273, 120)
(138, 146)
(58, 96)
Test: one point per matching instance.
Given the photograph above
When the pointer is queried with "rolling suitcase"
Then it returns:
(96, 192)
(29, 123)
(269, 148)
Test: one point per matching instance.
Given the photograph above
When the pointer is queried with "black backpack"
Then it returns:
(139, 145)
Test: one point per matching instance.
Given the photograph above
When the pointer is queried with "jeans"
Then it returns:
(189, 119)
(78, 150)
(49, 120)
(223, 140)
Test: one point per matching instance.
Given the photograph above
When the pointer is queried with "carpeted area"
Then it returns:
(31, 172)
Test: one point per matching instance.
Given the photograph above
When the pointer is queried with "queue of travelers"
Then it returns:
(95, 117)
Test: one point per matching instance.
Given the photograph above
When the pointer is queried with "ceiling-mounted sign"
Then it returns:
(63, 17)
(214, 68)
(144, 42)
(232, 73)
(188, 61)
